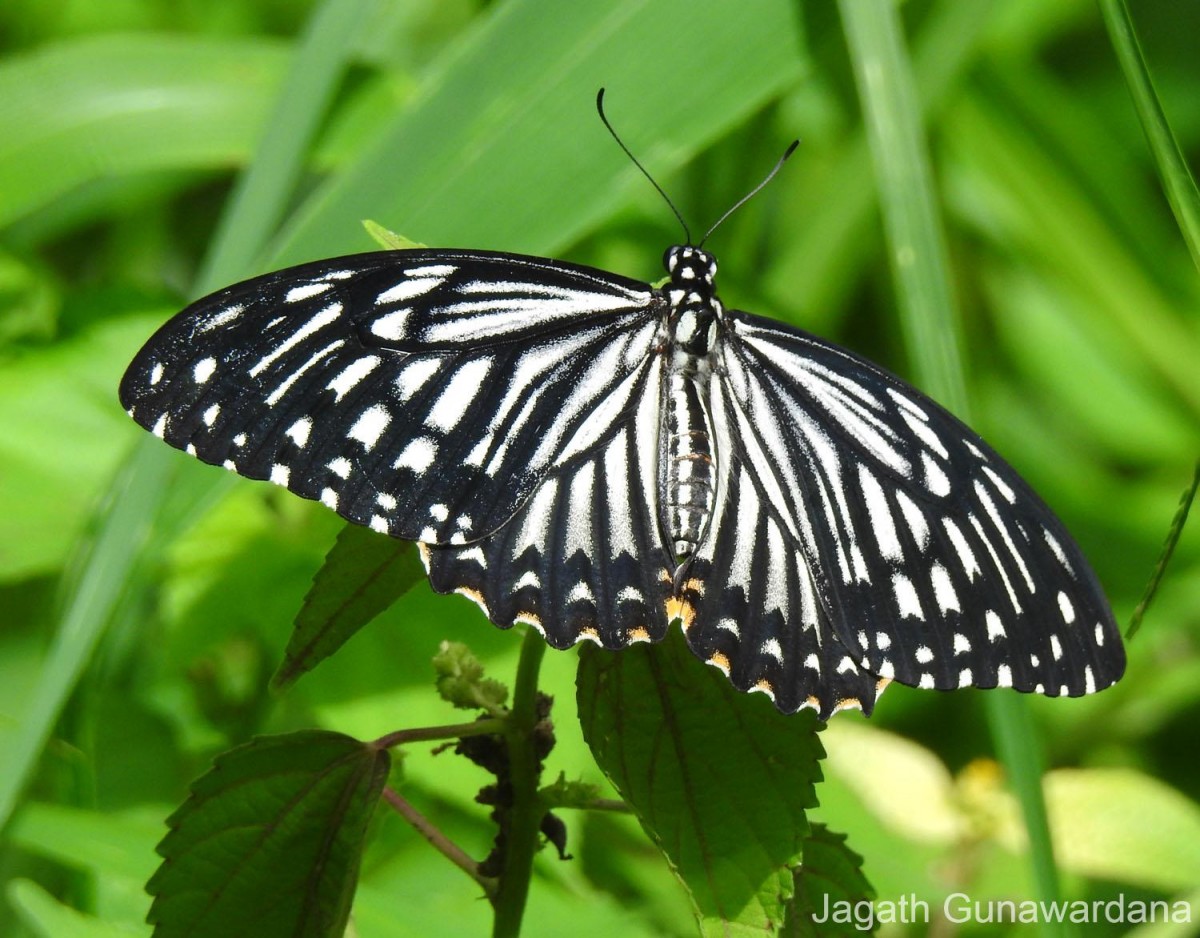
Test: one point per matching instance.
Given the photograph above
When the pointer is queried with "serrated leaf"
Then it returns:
(364, 573)
(270, 841)
(719, 779)
(829, 874)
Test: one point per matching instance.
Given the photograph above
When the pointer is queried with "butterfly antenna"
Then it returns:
(634, 159)
(752, 193)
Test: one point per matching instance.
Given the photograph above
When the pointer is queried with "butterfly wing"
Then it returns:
(920, 555)
(423, 393)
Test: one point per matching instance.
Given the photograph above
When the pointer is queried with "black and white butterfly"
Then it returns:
(597, 458)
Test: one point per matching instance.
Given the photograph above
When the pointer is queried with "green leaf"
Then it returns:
(1122, 825)
(830, 874)
(500, 146)
(270, 841)
(364, 573)
(719, 779)
(47, 917)
(87, 109)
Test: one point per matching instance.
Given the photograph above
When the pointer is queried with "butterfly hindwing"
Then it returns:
(584, 557)
(422, 393)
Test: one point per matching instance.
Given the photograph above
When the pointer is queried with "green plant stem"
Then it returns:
(525, 817)
(1177, 180)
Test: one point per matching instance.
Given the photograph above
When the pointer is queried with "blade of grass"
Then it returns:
(137, 497)
(1177, 180)
(930, 318)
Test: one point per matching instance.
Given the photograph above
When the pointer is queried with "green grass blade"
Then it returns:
(930, 320)
(1177, 180)
(261, 194)
(133, 507)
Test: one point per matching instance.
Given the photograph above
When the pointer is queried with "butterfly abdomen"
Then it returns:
(686, 468)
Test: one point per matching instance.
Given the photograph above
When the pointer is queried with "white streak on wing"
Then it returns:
(975, 523)
(882, 525)
(156, 373)
(458, 395)
(414, 375)
(369, 426)
(851, 405)
(777, 575)
(924, 433)
(966, 556)
(595, 396)
(485, 319)
(431, 270)
(579, 527)
(223, 318)
(943, 589)
(275, 396)
(745, 522)
(407, 290)
(392, 326)
(330, 314)
(1058, 551)
(1065, 607)
(352, 374)
(935, 479)
(621, 538)
(1001, 486)
(907, 404)
(160, 425)
(306, 291)
(209, 416)
(906, 596)
(536, 518)
(998, 522)
(914, 518)
(529, 373)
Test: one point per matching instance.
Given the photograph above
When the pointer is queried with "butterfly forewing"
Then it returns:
(422, 393)
(935, 564)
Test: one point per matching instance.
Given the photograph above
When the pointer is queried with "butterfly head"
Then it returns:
(689, 266)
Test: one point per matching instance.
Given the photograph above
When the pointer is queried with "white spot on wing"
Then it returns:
(352, 374)
(280, 474)
(943, 589)
(418, 455)
(1065, 607)
(369, 427)
(156, 373)
(210, 415)
(306, 291)
(299, 431)
(906, 596)
(205, 368)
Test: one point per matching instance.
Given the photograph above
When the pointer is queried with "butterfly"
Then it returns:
(597, 458)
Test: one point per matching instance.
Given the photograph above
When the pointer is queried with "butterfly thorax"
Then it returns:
(686, 478)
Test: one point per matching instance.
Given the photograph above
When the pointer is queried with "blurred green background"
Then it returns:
(145, 599)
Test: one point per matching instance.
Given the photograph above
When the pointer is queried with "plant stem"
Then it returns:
(525, 817)
(440, 841)
(448, 731)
